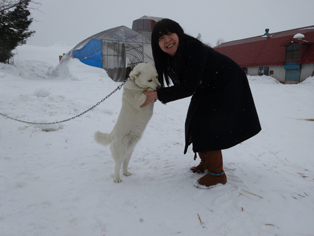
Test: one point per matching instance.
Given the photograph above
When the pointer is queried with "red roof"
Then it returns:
(269, 50)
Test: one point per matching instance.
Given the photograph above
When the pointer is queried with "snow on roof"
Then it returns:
(298, 36)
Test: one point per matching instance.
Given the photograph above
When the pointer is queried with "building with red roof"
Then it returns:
(288, 56)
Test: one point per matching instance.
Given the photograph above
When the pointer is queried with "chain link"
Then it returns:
(72, 118)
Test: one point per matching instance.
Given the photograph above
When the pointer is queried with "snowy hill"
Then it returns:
(55, 180)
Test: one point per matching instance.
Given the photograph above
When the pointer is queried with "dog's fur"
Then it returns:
(132, 119)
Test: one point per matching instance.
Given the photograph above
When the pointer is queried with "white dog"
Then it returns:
(132, 119)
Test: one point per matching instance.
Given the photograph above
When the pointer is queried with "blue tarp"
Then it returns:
(91, 53)
(291, 65)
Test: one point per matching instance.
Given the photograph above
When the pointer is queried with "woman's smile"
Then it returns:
(169, 43)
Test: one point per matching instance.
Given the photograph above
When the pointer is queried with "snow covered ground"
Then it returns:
(56, 181)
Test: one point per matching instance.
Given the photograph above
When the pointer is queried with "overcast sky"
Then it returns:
(71, 21)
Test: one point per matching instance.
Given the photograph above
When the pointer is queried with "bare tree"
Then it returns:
(199, 37)
(219, 41)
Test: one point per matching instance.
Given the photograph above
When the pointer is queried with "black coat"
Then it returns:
(222, 111)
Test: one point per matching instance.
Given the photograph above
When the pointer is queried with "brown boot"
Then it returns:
(214, 165)
(201, 167)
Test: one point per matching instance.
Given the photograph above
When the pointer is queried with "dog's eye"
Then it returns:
(150, 80)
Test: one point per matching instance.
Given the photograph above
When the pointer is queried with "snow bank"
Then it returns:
(55, 180)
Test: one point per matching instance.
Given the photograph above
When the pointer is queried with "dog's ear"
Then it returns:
(134, 74)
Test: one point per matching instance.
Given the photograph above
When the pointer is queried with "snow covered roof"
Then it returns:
(298, 36)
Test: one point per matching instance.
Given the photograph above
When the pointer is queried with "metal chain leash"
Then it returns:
(62, 121)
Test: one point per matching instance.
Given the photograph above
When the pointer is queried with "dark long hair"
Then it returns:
(164, 27)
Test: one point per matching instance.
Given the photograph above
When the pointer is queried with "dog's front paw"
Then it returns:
(117, 180)
(127, 173)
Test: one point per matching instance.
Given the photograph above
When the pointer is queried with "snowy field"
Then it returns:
(56, 181)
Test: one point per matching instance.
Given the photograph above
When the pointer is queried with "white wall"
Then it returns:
(279, 72)
(306, 71)
(252, 70)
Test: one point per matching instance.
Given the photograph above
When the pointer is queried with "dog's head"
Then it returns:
(145, 76)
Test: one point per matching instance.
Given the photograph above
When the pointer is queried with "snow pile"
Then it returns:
(263, 79)
(299, 36)
(42, 93)
(309, 81)
(55, 180)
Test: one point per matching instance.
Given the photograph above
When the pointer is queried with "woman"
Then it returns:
(221, 113)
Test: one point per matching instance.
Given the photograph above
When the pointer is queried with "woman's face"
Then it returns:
(169, 43)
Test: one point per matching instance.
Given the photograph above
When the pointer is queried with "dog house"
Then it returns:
(116, 50)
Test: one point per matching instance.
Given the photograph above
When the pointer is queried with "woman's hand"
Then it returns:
(150, 96)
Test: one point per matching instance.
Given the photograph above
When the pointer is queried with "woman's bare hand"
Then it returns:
(150, 96)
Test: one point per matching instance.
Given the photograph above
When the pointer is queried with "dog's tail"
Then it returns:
(102, 138)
